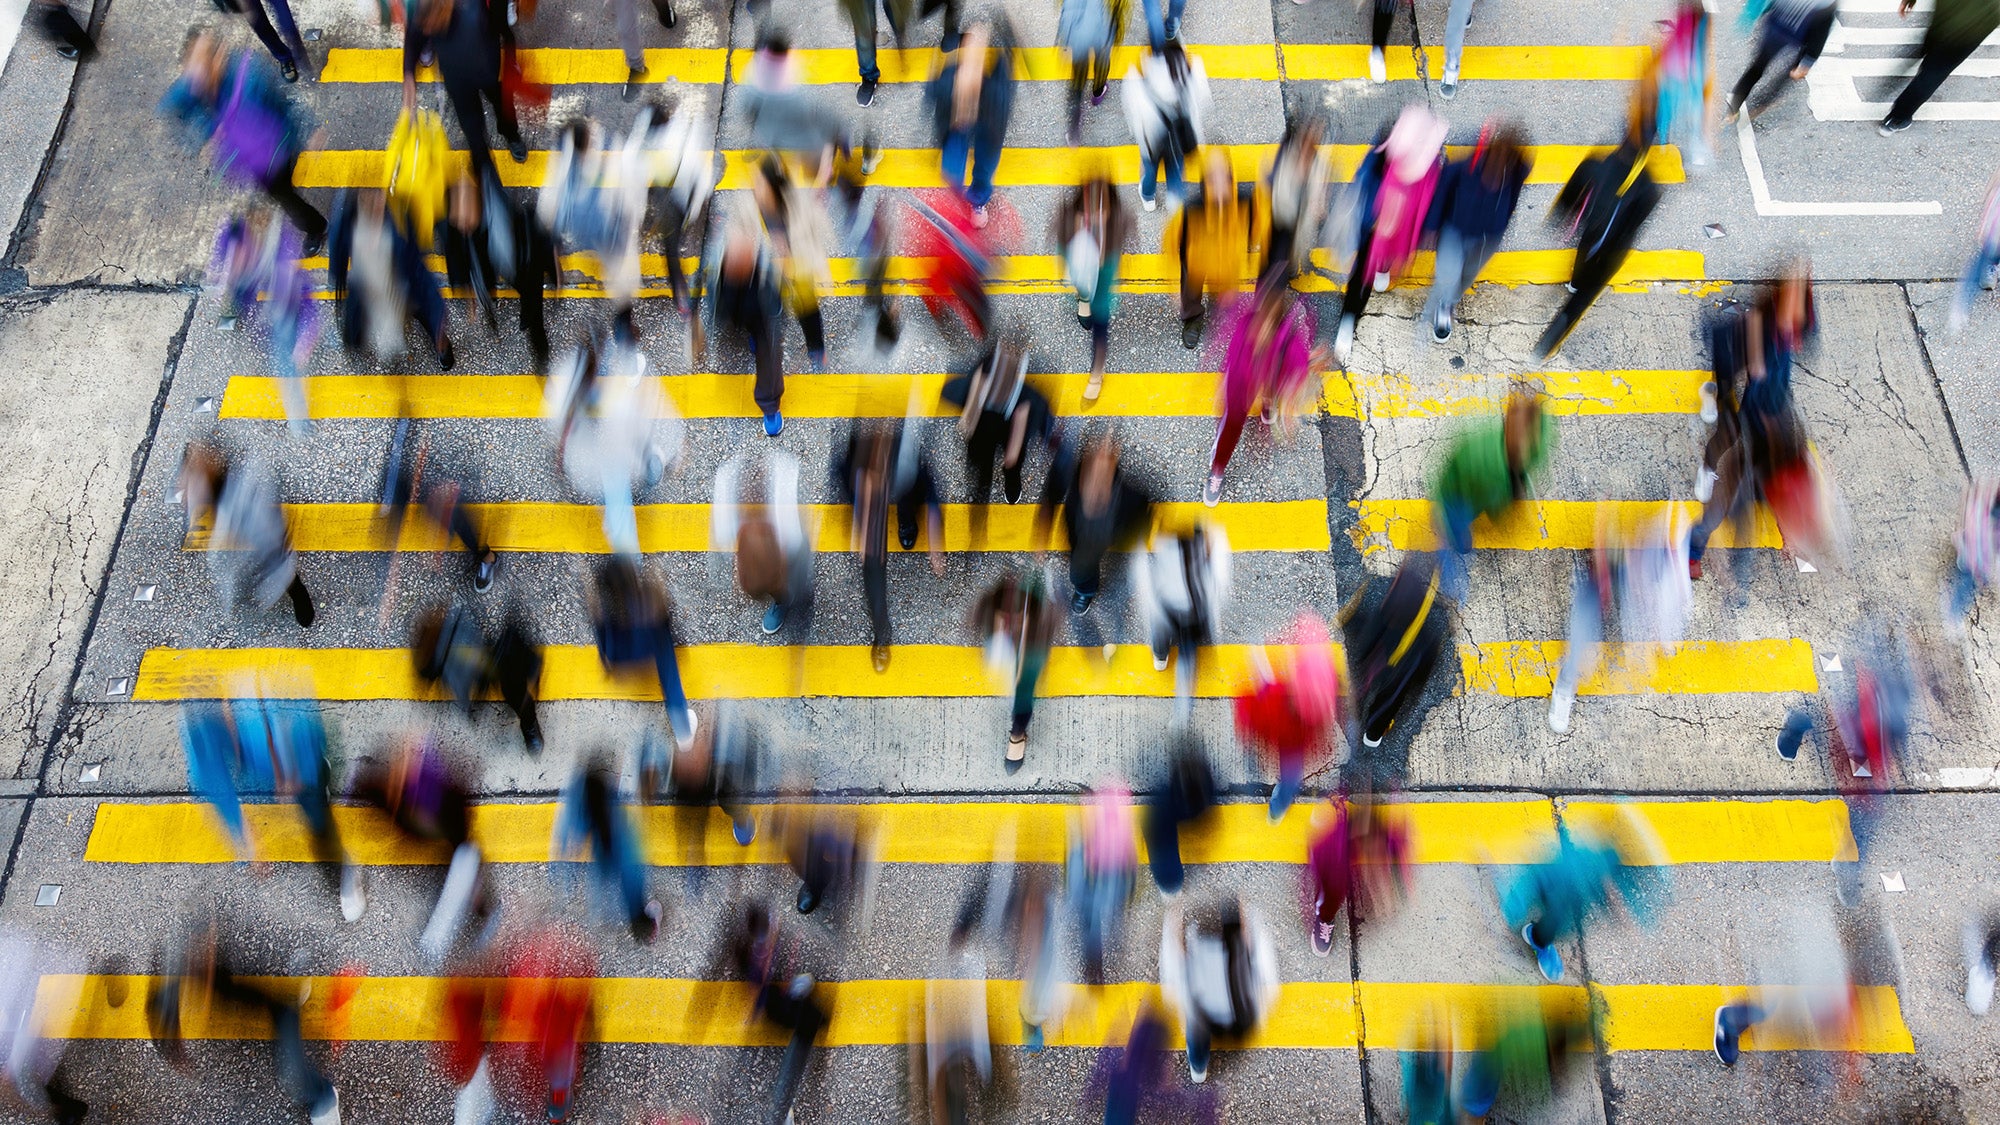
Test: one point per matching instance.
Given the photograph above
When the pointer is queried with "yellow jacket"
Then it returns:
(415, 177)
(1219, 243)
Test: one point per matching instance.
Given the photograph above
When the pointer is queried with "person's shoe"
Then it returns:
(774, 619)
(1891, 125)
(907, 538)
(1031, 1038)
(1343, 340)
(1704, 484)
(808, 900)
(290, 71)
(644, 932)
(744, 831)
(518, 149)
(1559, 713)
(1173, 29)
(1148, 203)
(482, 575)
(313, 244)
(1546, 958)
(1322, 937)
(447, 355)
(1726, 1045)
(353, 895)
(1569, 287)
(1370, 743)
(1079, 602)
(980, 218)
(1979, 977)
(667, 16)
(864, 93)
(1448, 86)
(1017, 748)
(1378, 66)
(1190, 334)
(1197, 1072)
(774, 424)
(1212, 491)
(1709, 412)
(66, 51)
(1093, 387)
(878, 655)
(1382, 281)
(1441, 326)
(1159, 661)
(328, 1114)
(1694, 570)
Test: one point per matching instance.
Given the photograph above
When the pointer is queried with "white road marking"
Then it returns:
(1968, 777)
(1760, 192)
(1844, 37)
(1881, 7)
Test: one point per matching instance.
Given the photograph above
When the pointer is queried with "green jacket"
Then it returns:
(1475, 471)
(1963, 21)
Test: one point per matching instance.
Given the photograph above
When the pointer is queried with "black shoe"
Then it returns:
(482, 575)
(864, 94)
(66, 51)
(666, 13)
(1891, 125)
(518, 149)
(1441, 326)
(808, 900)
(1080, 602)
(532, 738)
(1190, 333)
(290, 71)
(633, 80)
(447, 355)
(907, 538)
(314, 244)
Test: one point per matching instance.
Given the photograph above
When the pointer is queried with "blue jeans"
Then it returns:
(621, 519)
(1156, 22)
(1964, 591)
(1460, 257)
(1149, 175)
(1455, 518)
(1586, 629)
(1976, 276)
(984, 151)
(1291, 776)
(1454, 34)
(864, 40)
(657, 644)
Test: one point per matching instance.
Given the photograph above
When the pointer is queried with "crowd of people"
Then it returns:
(1237, 245)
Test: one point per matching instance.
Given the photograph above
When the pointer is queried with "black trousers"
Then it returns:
(465, 98)
(1592, 274)
(303, 215)
(59, 25)
(1773, 42)
(1939, 60)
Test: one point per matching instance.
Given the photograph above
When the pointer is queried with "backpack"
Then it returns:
(415, 177)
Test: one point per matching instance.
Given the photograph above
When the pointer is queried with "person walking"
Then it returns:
(256, 271)
(593, 820)
(632, 617)
(1607, 199)
(1684, 74)
(773, 545)
(464, 37)
(632, 39)
(797, 230)
(1088, 29)
(252, 132)
(1216, 239)
(1182, 587)
(1798, 28)
(1979, 273)
(1485, 471)
(1166, 97)
(1381, 20)
(971, 98)
(1220, 979)
(1475, 201)
(1395, 218)
(380, 279)
(1956, 30)
(1457, 19)
(1000, 413)
(1185, 795)
(1291, 714)
(1296, 187)
(1270, 359)
(1102, 510)
(1091, 229)
(1977, 544)
(72, 40)
(1396, 647)
(680, 162)
(36, 1075)
(449, 648)
(884, 466)
(249, 545)
(744, 295)
(287, 48)
(1015, 625)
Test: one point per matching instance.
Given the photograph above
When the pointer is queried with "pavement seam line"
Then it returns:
(1600, 1056)
(1937, 385)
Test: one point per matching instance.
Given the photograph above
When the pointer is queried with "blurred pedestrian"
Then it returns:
(744, 295)
(1956, 30)
(797, 230)
(1486, 470)
(252, 132)
(1684, 72)
(1291, 712)
(1397, 646)
(35, 1076)
(450, 649)
(722, 766)
(489, 240)
(1103, 510)
(72, 40)
(1977, 543)
(1182, 587)
(255, 270)
(1475, 201)
(1221, 978)
(885, 467)
(1525, 1055)
(1091, 229)
(787, 118)
(1102, 859)
(1000, 414)
(464, 38)
(594, 819)
(1216, 239)
(441, 498)
(1296, 187)
(380, 279)
(1015, 625)
(1131, 1081)
(772, 544)
(1410, 163)
(1549, 901)
(971, 98)
(1798, 28)
(823, 846)
(1457, 18)
(1185, 795)
(680, 160)
(594, 201)
(1088, 29)
(955, 255)
(428, 801)
(547, 996)
(1269, 361)
(287, 48)
(1980, 938)
(615, 430)
(1380, 22)
(1166, 98)
(1607, 199)
(1979, 273)
(249, 546)
(632, 39)
(1642, 579)
(632, 617)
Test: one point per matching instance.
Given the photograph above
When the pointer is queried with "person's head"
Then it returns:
(1521, 429)
(433, 15)
(1505, 151)
(203, 57)
(775, 43)
(768, 186)
(1218, 179)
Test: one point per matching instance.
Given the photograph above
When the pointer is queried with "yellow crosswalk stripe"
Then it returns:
(746, 671)
(1564, 394)
(710, 671)
(1544, 525)
(1528, 668)
(1152, 394)
(817, 66)
(1441, 832)
(1283, 525)
(1338, 62)
(1160, 273)
(920, 167)
(1307, 1015)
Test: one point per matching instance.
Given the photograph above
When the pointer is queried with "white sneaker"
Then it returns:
(1559, 713)
(1979, 977)
(1083, 308)
(1110, 650)
(1159, 661)
(1708, 412)
(331, 1115)
(353, 895)
(1378, 66)
(1704, 484)
(1343, 341)
(1382, 282)
(1149, 204)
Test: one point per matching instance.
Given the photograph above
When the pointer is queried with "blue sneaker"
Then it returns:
(774, 424)
(1033, 1039)
(744, 830)
(1546, 958)
(774, 619)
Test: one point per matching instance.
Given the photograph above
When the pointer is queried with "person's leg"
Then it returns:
(1798, 724)
(1767, 50)
(472, 122)
(517, 667)
(667, 663)
(1454, 543)
(1977, 273)
(503, 111)
(1156, 24)
(1079, 74)
(1456, 19)
(300, 1078)
(1199, 1043)
(1291, 777)
(1174, 10)
(985, 162)
(813, 326)
(1449, 283)
(302, 603)
(1731, 1021)
(1228, 431)
(1963, 591)
(1593, 272)
(303, 215)
(1580, 653)
(59, 24)
(864, 41)
(1939, 60)
(875, 586)
(253, 11)
(1163, 848)
(1378, 27)
(953, 154)
(798, 1054)
(630, 39)
(288, 27)
(1722, 500)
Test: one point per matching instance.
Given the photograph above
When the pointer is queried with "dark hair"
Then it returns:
(775, 41)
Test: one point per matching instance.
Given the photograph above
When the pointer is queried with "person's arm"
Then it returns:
(933, 517)
(414, 42)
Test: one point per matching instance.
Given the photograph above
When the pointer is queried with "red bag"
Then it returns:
(1798, 497)
(530, 99)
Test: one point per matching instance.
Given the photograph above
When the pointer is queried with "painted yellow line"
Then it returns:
(920, 167)
(1285, 525)
(1543, 525)
(1441, 832)
(1159, 273)
(1307, 1015)
(1564, 394)
(1151, 394)
(1524, 669)
(716, 671)
(1338, 62)
(817, 66)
